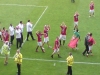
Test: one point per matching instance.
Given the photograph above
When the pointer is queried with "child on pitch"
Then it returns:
(5, 51)
(39, 41)
(46, 37)
(56, 47)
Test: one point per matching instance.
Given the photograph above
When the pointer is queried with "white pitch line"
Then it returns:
(33, 59)
(36, 22)
(21, 5)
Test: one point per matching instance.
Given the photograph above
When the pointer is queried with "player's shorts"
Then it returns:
(90, 48)
(75, 23)
(62, 37)
(56, 50)
(39, 43)
(91, 11)
(46, 39)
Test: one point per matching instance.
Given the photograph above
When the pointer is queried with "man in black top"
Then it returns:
(86, 43)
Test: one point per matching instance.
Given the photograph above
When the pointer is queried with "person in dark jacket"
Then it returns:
(86, 43)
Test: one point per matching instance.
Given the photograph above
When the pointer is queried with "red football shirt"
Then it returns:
(76, 17)
(56, 44)
(63, 30)
(91, 41)
(7, 36)
(39, 37)
(91, 6)
(45, 33)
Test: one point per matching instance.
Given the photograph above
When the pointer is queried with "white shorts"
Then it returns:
(91, 11)
(46, 39)
(39, 43)
(90, 48)
(75, 23)
(56, 50)
(62, 37)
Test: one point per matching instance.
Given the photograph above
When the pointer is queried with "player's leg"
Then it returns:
(32, 36)
(53, 53)
(44, 41)
(6, 59)
(40, 44)
(64, 39)
(58, 53)
(60, 38)
(27, 36)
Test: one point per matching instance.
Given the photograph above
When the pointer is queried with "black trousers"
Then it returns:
(19, 68)
(11, 39)
(18, 42)
(73, 1)
(30, 33)
(86, 49)
(22, 37)
(69, 72)
(0, 37)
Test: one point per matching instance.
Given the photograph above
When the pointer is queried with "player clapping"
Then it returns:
(39, 41)
(63, 33)
(46, 37)
(91, 9)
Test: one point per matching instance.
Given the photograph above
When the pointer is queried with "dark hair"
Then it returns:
(90, 34)
(3, 28)
(20, 21)
(28, 20)
(10, 24)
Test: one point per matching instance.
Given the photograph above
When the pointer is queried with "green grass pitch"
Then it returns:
(52, 12)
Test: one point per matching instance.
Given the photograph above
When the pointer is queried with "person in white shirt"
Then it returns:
(11, 32)
(18, 37)
(29, 30)
(21, 26)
